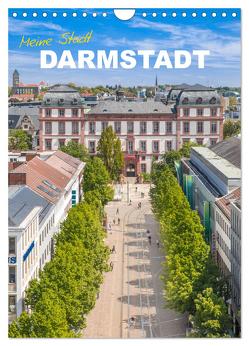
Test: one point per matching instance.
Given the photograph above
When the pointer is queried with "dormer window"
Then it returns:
(61, 101)
(104, 110)
(155, 110)
(75, 101)
(199, 100)
(185, 100)
(212, 100)
(130, 110)
(48, 101)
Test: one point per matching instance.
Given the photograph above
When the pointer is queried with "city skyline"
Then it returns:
(221, 35)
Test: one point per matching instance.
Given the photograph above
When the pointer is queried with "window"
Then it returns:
(61, 128)
(75, 127)
(104, 125)
(130, 147)
(12, 245)
(199, 100)
(199, 126)
(212, 100)
(48, 128)
(213, 141)
(168, 145)
(143, 127)
(155, 126)
(12, 304)
(186, 127)
(48, 112)
(61, 142)
(75, 112)
(199, 111)
(155, 146)
(143, 167)
(213, 127)
(91, 147)
(75, 140)
(12, 275)
(130, 127)
(199, 141)
(143, 158)
(25, 126)
(61, 112)
(186, 112)
(213, 112)
(185, 140)
(91, 127)
(185, 100)
(143, 146)
(169, 127)
(117, 126)
(48, 144)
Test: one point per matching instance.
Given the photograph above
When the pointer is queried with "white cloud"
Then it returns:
(23, 27)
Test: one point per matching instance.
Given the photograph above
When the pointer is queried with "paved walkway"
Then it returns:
(133, 288)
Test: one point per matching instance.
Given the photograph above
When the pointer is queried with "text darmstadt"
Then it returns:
(126, 59)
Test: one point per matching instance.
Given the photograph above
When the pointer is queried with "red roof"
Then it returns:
(224, 203)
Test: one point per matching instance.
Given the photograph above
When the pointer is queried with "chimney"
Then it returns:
(17, 178)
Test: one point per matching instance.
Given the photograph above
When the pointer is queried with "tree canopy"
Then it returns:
(188, 267)
(97, 180)
(76, 150)
(231, 128)
(110, 151)
(19, 140)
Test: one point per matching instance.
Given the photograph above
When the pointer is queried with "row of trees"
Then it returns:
(191, 280)
(68, 285)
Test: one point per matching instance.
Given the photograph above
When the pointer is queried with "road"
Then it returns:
(133, 288)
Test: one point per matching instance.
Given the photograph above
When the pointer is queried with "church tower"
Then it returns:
(16, 81)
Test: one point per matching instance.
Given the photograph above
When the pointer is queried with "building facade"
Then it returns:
(146, 129)
(61, 118)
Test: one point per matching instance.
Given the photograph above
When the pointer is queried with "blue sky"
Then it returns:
(220, 35)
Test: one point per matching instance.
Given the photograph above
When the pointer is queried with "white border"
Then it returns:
(3, 145)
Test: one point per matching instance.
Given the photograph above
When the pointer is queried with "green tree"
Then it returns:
(97, 178)
(110, 151)
(76, 150)
(231, 128)
(19, 140)
(211, 318)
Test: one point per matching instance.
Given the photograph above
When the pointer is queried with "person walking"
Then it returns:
(111, 266)
(132, 321)
(118, 221)
(117, 211)
(149, 239)
(114, 221)
(158, 244)
(113, 249)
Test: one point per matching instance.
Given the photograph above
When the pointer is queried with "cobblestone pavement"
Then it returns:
(133, 289)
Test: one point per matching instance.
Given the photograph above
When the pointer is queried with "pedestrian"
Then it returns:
(136, 188)
(148, 231)
(117, 211)
(111, 266)
(149, 239)
(114, 221)
(118, 221)
(157, 243)
(130, 202)
(113, 249)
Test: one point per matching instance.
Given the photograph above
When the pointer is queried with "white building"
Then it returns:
(31, 221)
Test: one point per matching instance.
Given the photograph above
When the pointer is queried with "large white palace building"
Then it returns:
(147, 129)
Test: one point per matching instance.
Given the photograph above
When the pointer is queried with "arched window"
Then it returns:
(104, 110)
(155, 110)
(185, 100)
(130, 110)
(199, 100)
(212, 100)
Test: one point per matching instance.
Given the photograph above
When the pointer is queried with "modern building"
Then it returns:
(209, 174)
(61, 118)
(228, 246)
(31, 227)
